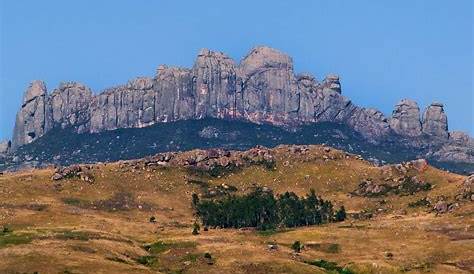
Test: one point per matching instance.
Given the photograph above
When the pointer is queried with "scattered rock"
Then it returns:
(209, 132)
(74, 171)
(272, 247)
(441, 207)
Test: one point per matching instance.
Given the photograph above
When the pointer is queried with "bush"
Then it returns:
(146, 260)
(297, 246)
(341, 214)
(6, 230)
(196, 228)
(195, 200)
(330, 266)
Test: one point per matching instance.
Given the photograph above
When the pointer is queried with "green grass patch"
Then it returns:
(72, 201)
(73, 235)
(147, 260)
(192, 257)
(332, 267)
(160, 246)
(117, 259)
(11, 238)
(325, 247)
(419, 203)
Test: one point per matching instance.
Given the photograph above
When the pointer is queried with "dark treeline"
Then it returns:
(261, 209)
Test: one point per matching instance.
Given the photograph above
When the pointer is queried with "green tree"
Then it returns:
(340, 214)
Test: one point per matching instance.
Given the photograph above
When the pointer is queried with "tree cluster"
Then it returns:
(263, 210)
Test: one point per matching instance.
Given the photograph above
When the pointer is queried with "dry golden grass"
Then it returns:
(56, 229)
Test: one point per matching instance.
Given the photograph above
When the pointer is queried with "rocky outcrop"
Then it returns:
(174, 94)
(458, 148)
(435, 121)
(30, 121)
(215, 83)
(406, 118)
(68, 106)
(269, 89)
(5, 147)
(262, 88)
(371, 123)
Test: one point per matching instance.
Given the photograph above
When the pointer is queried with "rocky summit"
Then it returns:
(263, 88)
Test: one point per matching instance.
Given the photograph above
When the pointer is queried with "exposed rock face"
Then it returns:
(406, 118)
(31, 119)
(5, 147)
(215, 84)
(435, 121)
(68, 105)
(262, 88)
(371, 123)
(458, 148)
(269, 88)
(174, 94)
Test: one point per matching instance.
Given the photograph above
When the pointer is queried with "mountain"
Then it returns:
(261, 89)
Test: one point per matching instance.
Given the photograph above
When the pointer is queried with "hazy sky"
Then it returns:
(383, 50)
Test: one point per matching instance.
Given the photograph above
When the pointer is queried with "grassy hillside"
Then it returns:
(74, 226)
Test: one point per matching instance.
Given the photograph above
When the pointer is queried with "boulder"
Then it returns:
(420, 165)
(441, 206)
(71, 172)
(209, 132)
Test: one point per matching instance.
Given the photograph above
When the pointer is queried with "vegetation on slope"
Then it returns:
(64, 147)
(261, 209)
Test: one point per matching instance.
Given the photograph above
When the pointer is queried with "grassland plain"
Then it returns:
(72, 226)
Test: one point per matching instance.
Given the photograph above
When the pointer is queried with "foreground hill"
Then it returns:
(408, 217)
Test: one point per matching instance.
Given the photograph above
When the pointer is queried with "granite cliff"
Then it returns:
(263, 88)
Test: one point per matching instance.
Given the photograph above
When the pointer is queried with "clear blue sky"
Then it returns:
(383, 50)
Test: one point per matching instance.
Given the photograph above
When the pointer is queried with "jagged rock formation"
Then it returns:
(435, 121)
(31, 119)
(5, 147)
(406, 118)
(262, 88)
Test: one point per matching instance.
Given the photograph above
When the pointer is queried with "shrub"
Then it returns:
(341, 214)
(196, 228)
(6, 230)
(195, 200)
(330, 266)
(297, 246)
(146, 260)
